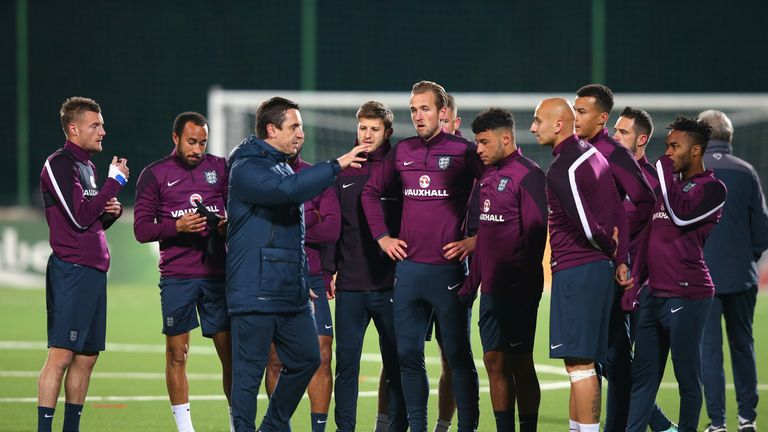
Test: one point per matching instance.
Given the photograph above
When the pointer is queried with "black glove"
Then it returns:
(211, 218)
(214, 247)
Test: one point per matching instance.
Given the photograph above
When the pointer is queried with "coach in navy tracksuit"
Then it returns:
(680, 287)
(731, 253)
(267, 270)
(365, 277)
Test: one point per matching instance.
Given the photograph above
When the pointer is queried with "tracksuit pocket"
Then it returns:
(281, 273)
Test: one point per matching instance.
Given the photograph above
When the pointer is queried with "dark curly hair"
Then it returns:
(699, 131)
(493, 118)
(602, 94)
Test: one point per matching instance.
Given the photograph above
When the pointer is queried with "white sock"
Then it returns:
(382, 423)
(231, 421)
(182, 417)
(573, 425)
(589, 427)
(442, 426)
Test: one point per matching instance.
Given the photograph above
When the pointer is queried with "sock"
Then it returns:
(672, 428)
(743, 421)
(589, 427)
(442, 426)
(382, 423)
(505, 420)
(44, 419)
(72, 414)
(183, 417)
(573, 425)
(319, 421)
(231, 421)
(529, 422)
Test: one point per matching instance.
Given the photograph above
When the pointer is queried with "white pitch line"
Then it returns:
(158, 376)
(92, 399)
(209, 350)
(545, 386)
(119, 375)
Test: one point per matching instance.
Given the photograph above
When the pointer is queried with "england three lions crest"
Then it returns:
(443, 162)
(502, 184)
(210, 177)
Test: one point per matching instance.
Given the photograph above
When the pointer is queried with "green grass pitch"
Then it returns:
(128, 392)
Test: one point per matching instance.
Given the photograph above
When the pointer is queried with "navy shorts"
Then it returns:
(76, 301)
(322, 307)
(580, 311)
(507, 325)
(182, 299)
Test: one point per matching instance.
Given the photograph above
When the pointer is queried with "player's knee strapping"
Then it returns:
(579, 375)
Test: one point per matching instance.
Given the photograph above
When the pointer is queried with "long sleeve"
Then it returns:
(146, 208)
(639, 271)
(472, 281)
(576, 206)
(533, 208)
(64, 184)
(262, 186)
(630, 179)
(622, 224)
(473, 161)
(383, 175)
(327, 226)
(473, 211)
(693, 203)
(758, 219)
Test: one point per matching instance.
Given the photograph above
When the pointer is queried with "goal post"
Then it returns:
(330, 122)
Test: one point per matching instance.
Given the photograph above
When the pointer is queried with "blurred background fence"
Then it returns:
(145, 61)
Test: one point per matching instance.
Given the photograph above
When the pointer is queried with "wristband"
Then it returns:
(117, 175)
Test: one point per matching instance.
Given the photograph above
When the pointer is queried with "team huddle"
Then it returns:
(253, 248)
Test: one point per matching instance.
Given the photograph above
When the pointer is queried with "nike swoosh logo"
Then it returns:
(328, 326)
(451, 287)
(555, 346)
(48, 415)
(173, 183)
(407, 163)
(675, 310)
(512, 345)
(344, 186)
(322, 421)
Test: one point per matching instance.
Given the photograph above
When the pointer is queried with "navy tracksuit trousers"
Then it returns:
(354, 311)
(666, 324)
(738, 309)
(617, 369)
(420, 289)
(295, 338)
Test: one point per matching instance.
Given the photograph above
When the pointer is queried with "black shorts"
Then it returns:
(76, 300)
(182, 300)
(506, 325)
(322, 309)
(580, 311)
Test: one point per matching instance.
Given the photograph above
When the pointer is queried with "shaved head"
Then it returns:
(553, 121)
(558, 108)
